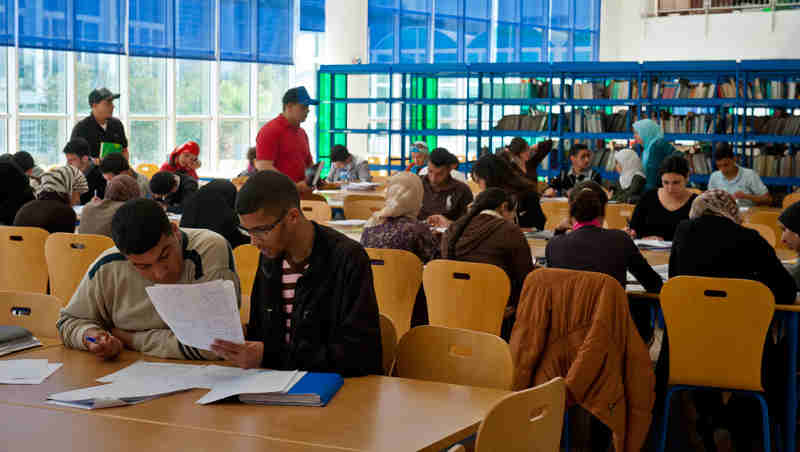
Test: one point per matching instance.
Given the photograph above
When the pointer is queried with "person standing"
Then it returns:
(282, 145)
(100, 127)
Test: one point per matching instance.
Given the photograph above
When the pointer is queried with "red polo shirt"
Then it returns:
(286, 146)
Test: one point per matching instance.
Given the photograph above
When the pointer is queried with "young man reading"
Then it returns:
(172, 189)
(313, 305)
(581, 158)
(743, 183)
(111, 310)
(77, 154)
(445, 199)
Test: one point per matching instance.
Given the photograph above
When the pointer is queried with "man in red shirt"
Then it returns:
(282, 145)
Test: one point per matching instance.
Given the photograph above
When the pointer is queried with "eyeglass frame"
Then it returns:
(263, 232)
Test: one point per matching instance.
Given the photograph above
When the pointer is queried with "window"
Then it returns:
(92, 71)
(147, 104)
(192, 87)
(42, 103)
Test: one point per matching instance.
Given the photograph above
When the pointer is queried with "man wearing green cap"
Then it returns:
(100, 129)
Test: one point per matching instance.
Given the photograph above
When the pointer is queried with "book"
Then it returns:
(15, 338)
(313, 174)
(312, 389)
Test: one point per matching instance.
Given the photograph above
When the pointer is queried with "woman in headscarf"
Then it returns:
(213, 207)
(184, 159)
(14, 190)
(96, 216)
(655, 149)
(631, 177)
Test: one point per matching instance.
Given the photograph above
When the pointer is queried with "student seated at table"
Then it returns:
(630, 187)
(97, 215)
(445, 199)
(251, 163)
(213, 207)
(61, 188)
(313, 305)
(581, 158)
(789, 222)
(111, 305)
(743, 183)
(487, 234)
(660, 210)
(419, 157)
(184, 160)
(116, 164)
(29, 167)
(345, 167)
(493, 171)
(655, 149)
(172, 189)
(589, 247)
(15, 190)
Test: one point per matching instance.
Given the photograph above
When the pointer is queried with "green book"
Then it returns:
(109, 148)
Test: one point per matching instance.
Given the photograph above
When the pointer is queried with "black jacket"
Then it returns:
(89, 129)
(566, 179)
(97, 185)
(529, 211)
(187, 187)
(335, 325)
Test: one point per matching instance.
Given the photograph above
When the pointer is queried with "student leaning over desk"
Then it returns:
(111, 309)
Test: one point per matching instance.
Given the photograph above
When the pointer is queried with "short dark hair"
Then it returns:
(251, 154)
(138, 226)
(114, 164)
(269, 190)
(723, 151)
(587, 201)
(24, 160)
(162, 182)
(442, 157)
(517, 146)
(674, 164)
(78, 146)
(497, 172)
(339, 153)
(577, 148)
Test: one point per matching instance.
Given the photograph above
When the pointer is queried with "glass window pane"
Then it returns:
(414, 38)
(381, 36)
(559, 45)
(3, 80)
(476, 40)
(273, 81)
(384, 3)
(3, 136)
(234, 88)
(92, 71)
(508, 10)
(416, 5)
(192, 94)
(234, 141)
(445, 41)
(196, 131)
(532, 39)
(535, 11)
(42, 81)
(560, 13)
(586, 13)
(43, 139)
(146, 81)
(448, 7)
(584, 46)
(479, 9)
(506, 42)
(146, 143)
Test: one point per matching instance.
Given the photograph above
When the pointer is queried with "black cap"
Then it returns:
(298, 95)
(100, 95)
(442, 157)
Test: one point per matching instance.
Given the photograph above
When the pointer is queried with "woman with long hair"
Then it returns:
(491, 171)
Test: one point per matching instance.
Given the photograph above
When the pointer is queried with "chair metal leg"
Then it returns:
(764, 420)
(565, 431)
(662, 433)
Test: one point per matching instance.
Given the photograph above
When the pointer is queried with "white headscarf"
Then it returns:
(403, 198)
(631, 165)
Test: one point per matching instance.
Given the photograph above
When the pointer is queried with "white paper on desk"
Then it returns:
(661, 244)
(22, 368)
(123, 392)
(262, 382)
(347, 223)
(199, 313)
(144, 369)
(32, 379)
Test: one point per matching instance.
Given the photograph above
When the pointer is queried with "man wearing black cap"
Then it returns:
(282, 145)
(99, 127)
(445, 199)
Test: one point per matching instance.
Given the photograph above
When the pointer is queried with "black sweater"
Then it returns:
(714, 246)
(529, 211)
(651, 218)
(608, 251)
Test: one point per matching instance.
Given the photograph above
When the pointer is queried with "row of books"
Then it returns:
(585, 122)
(773, 125)
(693, 123)
(604, 160)
(777, 165)
(772, 89)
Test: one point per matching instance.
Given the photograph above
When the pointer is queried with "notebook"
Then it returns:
(311, 389)
(15, 338)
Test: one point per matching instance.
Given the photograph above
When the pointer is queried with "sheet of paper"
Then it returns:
(262, 382)
(349, 223)
(124, 389)
(199, 313)
(22, 368)
(51, 369)
(144, 369)
(653, 243)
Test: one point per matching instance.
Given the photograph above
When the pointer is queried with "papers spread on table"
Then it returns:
(262, 382)
(199, 313)
(361, 186)
(634, 286)
(653, 244)
(199, 376)
(123, 392)
(26, 371)
(15, 338)
(347, 223)
(543, 235)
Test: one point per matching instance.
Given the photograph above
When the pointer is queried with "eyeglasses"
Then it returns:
(263, 231)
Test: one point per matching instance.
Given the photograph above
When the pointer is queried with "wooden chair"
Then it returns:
(791, 199)
(361, 207)
(474, 187)
(388, 342)
(455, 356)
(523, 421)
(36, 312)
(318, 211)
(246, 258)
(147, 169)
(239, 182)
(466, 295)
(22, 263)
(764, 230)
(397, 276)
(696, 191)
(716, 329)
(313, 197)
(379, 178)
(556, 212)
(768, 218)
(618, 215)
(68, 259)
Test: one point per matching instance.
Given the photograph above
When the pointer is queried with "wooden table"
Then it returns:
(336, 197)
(368, 413)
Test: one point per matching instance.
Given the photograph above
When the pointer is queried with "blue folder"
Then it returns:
(314, 389)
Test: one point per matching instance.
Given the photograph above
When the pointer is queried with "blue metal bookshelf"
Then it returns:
(490, 91)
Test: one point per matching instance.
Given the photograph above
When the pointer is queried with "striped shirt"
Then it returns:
(291, 273)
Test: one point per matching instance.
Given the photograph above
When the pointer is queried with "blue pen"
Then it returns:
(91, 339)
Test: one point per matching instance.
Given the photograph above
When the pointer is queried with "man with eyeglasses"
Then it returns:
(313, 305)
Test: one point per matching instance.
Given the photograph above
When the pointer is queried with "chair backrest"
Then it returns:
(473, 186)
(526, 420)
(556, 212)
(452, 355)
(696, 191)
(313, 197)
(388, 342)
(361, 207)
(36, 312)
(764, 230)
(239, 182)
(618, 215)
(791, 199)
(22, 263)
(716, 329)
(68, 259)
(246, 259)
(466, 295)
(318, 211)
(397, 276)
(768, 218)
(379, 178)
(147, 169)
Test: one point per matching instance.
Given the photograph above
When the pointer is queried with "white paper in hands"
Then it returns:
(199, 313)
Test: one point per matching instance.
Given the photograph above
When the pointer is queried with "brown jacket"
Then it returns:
(450, 200)
(576, 325)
